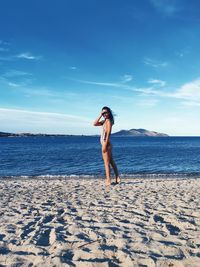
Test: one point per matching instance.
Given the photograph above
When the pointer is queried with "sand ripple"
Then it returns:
(81, 223)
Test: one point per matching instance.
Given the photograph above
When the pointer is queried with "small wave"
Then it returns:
(123, 175)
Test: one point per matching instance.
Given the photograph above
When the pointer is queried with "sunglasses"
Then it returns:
(104, 113)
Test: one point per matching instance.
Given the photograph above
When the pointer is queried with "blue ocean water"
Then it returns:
(81, 155)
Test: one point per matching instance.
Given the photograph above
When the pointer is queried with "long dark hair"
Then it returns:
(110, 114)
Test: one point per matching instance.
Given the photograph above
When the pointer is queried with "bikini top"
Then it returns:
(103, 133)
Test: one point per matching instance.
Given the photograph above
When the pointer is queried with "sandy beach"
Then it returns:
(80, 222)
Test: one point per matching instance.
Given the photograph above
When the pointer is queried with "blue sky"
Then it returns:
(62, 61)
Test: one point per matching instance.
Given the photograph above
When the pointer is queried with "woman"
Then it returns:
(107, 124)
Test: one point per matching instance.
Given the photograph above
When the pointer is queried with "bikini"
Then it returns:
(103, 134)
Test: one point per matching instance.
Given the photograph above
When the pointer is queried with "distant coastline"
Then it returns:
(4, 134)
(121, 133)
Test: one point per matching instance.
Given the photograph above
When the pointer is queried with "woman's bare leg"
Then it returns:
(114, 166)
(106, 158)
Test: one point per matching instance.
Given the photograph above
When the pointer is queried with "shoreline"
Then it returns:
(79, 222)
(146, 176)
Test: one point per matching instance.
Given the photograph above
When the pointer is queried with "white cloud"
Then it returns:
(15, 81)
(148, 91)
(157, 82)
(155, 63)
(188, 91)
(28, 56)
(126, 78)
(13, 84)
(101, 83)
(45, 122)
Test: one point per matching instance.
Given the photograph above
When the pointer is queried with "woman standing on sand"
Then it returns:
(107, 123)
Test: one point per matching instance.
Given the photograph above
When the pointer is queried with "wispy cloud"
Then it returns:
(109, 84)
(190, 92)
(166, 7)
(148, 91)
(24, 56)
(182, 52)
(48, 114)
(15, 73)
(21, 84)
(14, 84)
(40, 91)
(4, 46)
(16, 78)
(157, 82)
(46, 122)
(155, 63)
(147, 102)
(28, 56)
(73, 68)
(126, 78)
(119, 84)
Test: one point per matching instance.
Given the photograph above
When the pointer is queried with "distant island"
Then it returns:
(122, 133)
(139, 132)
(4, 134)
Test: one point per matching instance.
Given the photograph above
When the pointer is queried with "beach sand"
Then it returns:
(80, 222)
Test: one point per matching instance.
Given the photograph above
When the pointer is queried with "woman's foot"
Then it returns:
(108, 182)
(118, 180)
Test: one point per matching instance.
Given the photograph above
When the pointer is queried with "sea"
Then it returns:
(75, 156)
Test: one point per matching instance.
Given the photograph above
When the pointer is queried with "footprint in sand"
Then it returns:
(173, 230)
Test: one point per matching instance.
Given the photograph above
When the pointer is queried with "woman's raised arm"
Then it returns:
(97, 122)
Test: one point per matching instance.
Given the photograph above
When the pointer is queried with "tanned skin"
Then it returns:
(107, 146)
